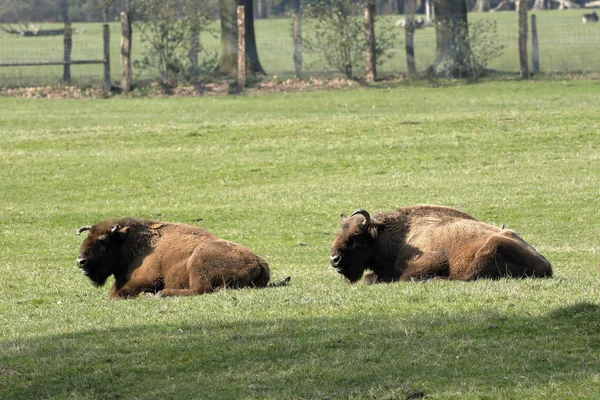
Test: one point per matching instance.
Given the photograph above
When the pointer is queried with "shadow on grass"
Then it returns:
(358, 356)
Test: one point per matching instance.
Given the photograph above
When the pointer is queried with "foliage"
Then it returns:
(273, 173)
(169, 31)
(335, 32)
(485, 46)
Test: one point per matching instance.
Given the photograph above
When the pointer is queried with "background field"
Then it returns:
(274, 172)
(566, 45)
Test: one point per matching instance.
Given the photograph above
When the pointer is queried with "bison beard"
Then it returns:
(422, 242)
(166, 259)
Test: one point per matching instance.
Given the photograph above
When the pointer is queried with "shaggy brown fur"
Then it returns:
(423, 241)
(166, 259)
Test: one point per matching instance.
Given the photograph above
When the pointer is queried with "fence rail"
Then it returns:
(39, 63)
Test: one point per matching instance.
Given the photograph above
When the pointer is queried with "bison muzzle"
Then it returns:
(166, 259)
(423, 241)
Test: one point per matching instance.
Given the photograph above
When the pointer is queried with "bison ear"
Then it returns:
(343, 216)
(119, 232)
(372, 231)
(122, 232)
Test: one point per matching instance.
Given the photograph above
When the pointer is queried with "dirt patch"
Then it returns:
(273, 85)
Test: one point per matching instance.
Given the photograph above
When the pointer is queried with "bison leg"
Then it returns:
(373, 278)
(219, 266)
(426, 266)
(507, 255)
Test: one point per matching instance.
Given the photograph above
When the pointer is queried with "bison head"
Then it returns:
(101, 250)
(353, 245)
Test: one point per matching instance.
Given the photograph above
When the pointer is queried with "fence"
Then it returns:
(29, 55)
(565, 45)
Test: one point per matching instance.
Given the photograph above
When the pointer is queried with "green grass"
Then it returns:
(566, 45)
(274, 172)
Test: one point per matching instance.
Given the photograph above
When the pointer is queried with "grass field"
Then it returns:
(566, 45)
(273, 173)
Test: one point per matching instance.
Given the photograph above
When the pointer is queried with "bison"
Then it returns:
(166, 259)
(591, 17)
(426, 241)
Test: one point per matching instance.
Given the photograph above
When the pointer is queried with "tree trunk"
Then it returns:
(453, 51)
(409, 36)
(482, 6)
(297, 37)
(68, 41)
(228, 58)
(538, 5)
(261, 11)
(194, 37)
(370, 57)
(428, 11)
(252, 60)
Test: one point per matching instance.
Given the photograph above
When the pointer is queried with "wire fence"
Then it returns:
(565, 44)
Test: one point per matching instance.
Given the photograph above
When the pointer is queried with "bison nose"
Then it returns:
(81, 261)
(335, 260)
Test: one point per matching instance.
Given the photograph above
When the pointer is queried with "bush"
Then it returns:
(335, 32)
(171, 31)
(483, 37)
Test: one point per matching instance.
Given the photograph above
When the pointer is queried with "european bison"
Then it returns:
(425, 241)
(166, 259)
(591, 17)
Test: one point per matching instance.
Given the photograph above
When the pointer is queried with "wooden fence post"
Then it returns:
(67, 41)
(106, 38)
(68, 46)
(241, 62)
(522, 9)
(370, 65)
(126, 70)
(297, 37)
(535, 50)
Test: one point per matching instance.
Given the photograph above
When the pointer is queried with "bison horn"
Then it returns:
(364, 214)
(115, 228)
(83, 228)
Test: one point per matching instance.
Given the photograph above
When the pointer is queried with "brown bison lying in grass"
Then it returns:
(166, 259)
(423, 241)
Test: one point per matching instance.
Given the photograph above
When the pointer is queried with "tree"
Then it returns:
(482, 5)
(409, 36)
(454, 57)
(541, 5)
(297, 37)
(370, 42)
(228, 59)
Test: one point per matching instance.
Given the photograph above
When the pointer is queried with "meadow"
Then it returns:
(273, 173)
(566, 45)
